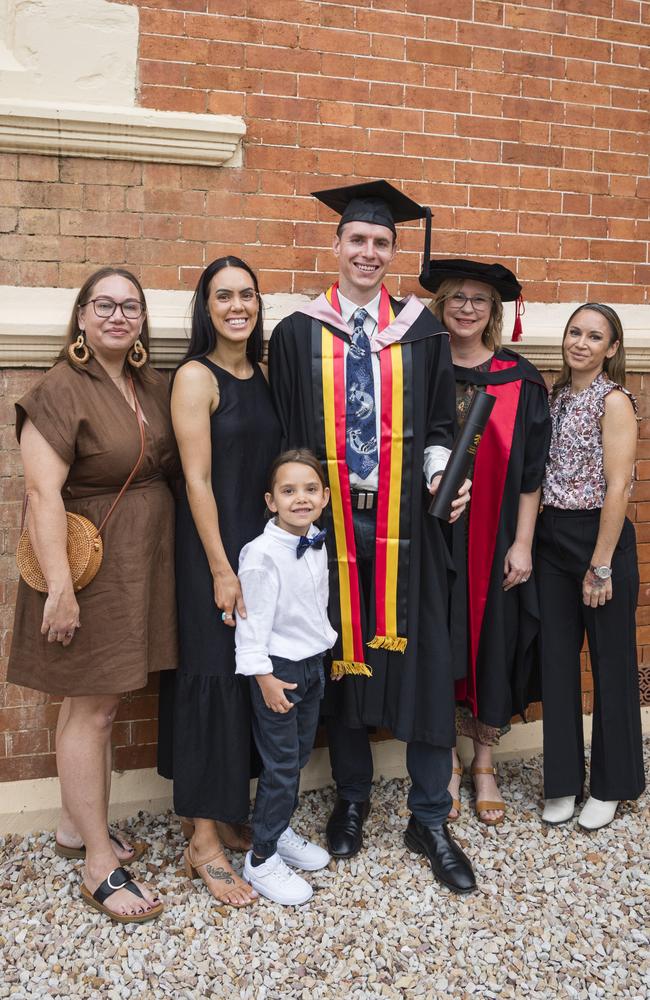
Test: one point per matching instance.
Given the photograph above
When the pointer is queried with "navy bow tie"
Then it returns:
(304, 543)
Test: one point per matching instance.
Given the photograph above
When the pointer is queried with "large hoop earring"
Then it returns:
(79, 351)
(137, 356)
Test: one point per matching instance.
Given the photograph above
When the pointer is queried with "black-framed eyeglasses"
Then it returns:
(479, 303)
(104, 307)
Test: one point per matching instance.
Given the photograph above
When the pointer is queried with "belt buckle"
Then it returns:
(365, 500)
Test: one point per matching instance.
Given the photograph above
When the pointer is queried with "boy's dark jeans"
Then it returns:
(284, 741)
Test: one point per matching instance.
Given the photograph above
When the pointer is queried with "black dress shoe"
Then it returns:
(448, 862)
(344, 828)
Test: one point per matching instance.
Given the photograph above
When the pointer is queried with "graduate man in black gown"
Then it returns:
(366, 382)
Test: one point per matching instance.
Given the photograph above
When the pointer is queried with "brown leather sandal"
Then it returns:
(487, 805)
(217, 868)
(79, 853)
(119, 878)
(243, 829)
(455, 803)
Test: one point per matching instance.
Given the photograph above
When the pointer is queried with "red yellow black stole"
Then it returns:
(393, 498)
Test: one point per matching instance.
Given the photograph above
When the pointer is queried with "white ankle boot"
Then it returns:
(559, 810)
(597, 813)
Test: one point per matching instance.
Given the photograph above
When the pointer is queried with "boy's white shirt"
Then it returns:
(285, 599)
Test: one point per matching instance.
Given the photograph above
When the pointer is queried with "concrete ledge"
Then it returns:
(33, 322)
(30, 806)
(119, 133)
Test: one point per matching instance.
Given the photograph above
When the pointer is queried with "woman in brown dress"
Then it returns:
(80, 439)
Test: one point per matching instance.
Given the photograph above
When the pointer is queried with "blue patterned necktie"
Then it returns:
(360, 422)
(304, 543)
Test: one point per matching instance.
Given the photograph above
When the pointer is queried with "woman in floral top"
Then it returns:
(588, 576)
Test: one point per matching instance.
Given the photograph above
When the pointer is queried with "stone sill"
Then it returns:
(119, 133)
(33, 321)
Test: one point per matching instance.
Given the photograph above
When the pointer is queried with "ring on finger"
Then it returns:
(226, 616)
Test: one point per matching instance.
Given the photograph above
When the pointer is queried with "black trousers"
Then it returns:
(429, 767)
(284, 741)
(566, 541)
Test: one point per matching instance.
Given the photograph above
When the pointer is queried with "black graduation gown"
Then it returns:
(411, 693)
(507, 668)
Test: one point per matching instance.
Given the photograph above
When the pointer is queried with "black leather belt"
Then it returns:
(363, 499)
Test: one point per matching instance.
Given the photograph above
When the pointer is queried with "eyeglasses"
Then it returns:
(104, 308)
(479, 303)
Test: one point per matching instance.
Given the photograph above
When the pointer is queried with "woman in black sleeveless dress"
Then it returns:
(228, 435)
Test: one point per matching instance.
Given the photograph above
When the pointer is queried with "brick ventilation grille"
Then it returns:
(644, 683)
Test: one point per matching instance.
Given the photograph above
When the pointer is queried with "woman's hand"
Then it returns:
(273, 689)
(228, 596)
(517, 565)
(596, 592)
(61, 617)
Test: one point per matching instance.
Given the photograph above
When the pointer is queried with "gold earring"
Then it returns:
(137, 356)
(79, 351)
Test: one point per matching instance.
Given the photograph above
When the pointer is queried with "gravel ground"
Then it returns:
(559, 913)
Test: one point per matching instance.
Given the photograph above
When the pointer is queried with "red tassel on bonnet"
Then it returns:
(520, 309)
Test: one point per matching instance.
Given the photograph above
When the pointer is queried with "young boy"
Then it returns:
(280, 646)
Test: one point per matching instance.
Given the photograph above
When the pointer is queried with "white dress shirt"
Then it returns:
(435, 456)
(285, 599)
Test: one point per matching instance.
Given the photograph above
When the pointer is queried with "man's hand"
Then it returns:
(461, 501)
(273, 689)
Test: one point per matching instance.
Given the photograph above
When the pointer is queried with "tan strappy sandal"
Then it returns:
(242, 830)
(221, 873)
(486, 805)
(455, 803)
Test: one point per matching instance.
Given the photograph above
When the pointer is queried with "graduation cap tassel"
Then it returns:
(520, 309)
(427, 242)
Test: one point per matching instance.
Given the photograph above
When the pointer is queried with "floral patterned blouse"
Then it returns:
(575, 477)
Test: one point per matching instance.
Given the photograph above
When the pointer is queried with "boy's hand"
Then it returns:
(273, 692)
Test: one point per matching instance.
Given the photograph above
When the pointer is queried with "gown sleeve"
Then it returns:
(441, 400)
(280, 368)
(538, 437)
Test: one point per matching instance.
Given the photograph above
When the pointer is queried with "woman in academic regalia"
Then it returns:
(494, 602)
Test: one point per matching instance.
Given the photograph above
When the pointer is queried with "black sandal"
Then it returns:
(119, 878)
(79, 853)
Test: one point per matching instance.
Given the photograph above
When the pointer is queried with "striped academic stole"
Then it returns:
(393, 525)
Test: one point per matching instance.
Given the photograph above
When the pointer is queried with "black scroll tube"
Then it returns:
(462, 453)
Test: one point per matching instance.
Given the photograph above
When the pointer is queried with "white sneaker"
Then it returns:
(597, 813)
(300, 853)
(559, 810)
(277, 882)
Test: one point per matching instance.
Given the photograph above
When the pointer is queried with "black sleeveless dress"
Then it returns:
(205, 737)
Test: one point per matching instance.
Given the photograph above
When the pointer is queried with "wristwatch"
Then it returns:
(602, 572)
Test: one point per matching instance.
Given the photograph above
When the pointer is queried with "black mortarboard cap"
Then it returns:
(497, 276)
(377, 202)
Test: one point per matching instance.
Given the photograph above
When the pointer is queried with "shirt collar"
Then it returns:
(286, 537)
(348, 308)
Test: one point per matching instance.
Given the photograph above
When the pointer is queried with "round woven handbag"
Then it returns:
(84, 543)
(85, 552)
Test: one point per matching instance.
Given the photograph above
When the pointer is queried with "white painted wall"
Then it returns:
(84, 51)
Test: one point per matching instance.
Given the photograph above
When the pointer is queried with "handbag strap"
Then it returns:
(132, 474)
(134, 470)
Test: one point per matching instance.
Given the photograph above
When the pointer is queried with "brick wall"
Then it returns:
(524, 126)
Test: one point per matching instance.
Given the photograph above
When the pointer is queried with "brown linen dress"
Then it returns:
(128, 612)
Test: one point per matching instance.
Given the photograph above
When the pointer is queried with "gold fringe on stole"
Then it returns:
(342, 667)
(396, 643)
